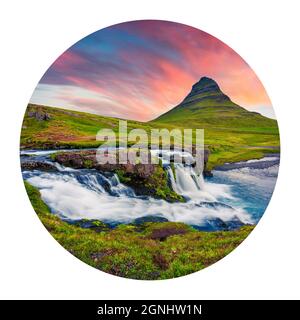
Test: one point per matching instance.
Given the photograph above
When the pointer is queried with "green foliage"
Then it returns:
(231, 133)
(53, 156)
(159, 183)
(35, 199)
(155, 184)
(123, 177)
(140, 253)
(88, 163)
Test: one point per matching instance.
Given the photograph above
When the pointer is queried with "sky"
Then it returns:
(141, 69)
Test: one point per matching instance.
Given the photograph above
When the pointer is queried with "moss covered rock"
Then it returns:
(145, 179)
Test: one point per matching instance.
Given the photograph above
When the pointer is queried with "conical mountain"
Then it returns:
(206, 106)
(204, 90)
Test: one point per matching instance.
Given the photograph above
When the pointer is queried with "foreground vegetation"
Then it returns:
(151, 250)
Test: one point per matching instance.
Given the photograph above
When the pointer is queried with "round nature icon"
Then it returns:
(149, 150)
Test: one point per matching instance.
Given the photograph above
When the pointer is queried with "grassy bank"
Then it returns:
(147, 251)
(229, 154)
(229, 140)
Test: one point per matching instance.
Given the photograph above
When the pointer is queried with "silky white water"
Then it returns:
(81, 194)
(187, 183)
(237, 195)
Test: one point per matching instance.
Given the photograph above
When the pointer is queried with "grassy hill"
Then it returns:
(48, 127)
(207, 107)
(232, 133)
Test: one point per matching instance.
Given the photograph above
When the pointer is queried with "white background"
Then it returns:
(34, 33)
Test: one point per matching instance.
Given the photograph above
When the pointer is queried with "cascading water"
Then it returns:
(185, 181)
(192, 186)
(86, 193)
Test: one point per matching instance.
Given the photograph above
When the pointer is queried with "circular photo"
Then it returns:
(149, 150)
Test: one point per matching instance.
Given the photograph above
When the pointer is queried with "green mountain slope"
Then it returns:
(206, 106)
(231, 132)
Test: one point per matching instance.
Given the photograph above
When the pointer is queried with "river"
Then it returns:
(232, 197)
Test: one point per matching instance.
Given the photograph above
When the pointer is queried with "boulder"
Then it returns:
(39, 115)
(38, 165)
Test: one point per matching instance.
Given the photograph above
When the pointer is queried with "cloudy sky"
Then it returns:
(141, 69)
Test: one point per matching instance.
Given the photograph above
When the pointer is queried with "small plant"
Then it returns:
(88, 163)
(122, 176)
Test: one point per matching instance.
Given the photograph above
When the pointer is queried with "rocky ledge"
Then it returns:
(38, 165)
(144, 179)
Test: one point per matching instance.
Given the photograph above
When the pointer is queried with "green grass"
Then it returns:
(230, 132)
(148, 251)
(227, 154)
(67, 128)
(122, 176)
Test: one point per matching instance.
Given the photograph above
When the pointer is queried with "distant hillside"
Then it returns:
(48, 127)
(231, 132)
(206, 106)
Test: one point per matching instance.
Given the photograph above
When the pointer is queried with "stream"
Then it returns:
(234, 196)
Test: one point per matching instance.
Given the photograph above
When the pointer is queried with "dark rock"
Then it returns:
(38, 165)
(207, 174)
(39, 115)
(206, 154)
(219, 224)
(244, 164)
(87, 159)
(162, 234)
(215, 205)
(145, 219)
(93, 224)
(70, 159)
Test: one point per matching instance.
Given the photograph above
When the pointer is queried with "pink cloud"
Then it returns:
(151, 72)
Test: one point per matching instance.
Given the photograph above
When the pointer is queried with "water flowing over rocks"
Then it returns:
(87, 159)
(101, 197)
(145, 179)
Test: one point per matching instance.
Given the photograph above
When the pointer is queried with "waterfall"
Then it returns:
(100, 183)
(185, 181)
(90, 194)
